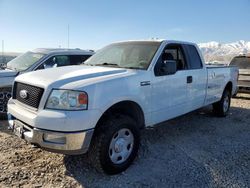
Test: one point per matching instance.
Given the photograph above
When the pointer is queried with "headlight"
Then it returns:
(67, 100)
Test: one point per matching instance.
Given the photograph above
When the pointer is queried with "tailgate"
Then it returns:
(244, 77)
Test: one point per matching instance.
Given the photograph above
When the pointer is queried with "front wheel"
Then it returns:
(222, 107)
(115, 144)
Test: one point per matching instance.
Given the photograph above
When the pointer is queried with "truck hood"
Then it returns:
(65, 75)
(7, 73)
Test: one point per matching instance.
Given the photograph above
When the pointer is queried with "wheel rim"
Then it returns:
(4, 98)
(226, 104)
(121, 146)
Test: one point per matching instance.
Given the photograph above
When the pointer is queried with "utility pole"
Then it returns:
(68, 36)
(3, 51)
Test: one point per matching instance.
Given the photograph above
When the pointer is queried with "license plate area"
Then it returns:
(18, 128)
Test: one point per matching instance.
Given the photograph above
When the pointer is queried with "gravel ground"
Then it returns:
(195, 150)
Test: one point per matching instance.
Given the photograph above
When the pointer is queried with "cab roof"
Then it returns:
(63, 51)
(158, 40)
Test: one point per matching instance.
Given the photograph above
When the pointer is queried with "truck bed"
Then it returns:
(217, 76)
(244, 81)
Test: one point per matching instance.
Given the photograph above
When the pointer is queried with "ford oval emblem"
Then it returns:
(23, 94)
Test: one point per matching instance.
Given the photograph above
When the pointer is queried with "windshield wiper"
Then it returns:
(112, 64)
(87, 64)
(12, 68)
(8, 67)
(130, 67)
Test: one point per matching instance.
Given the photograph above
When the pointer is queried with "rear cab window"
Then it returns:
(193, 57)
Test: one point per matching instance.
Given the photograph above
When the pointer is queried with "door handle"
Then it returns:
(189, 79)
(145, 83)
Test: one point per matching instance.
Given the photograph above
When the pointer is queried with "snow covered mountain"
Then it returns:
(214, 51)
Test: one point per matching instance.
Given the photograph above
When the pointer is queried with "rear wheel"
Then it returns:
(115, 144)
(235, 95)
(222, 107)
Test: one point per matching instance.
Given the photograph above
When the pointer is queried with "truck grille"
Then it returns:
(34, 94)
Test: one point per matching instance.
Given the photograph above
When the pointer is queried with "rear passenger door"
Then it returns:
(197, 78)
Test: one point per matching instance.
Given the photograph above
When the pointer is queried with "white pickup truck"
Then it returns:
(99, 108)
(41, 58)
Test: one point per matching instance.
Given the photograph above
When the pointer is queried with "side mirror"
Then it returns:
(168, 67)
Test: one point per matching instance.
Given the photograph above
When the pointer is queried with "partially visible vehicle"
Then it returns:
(4, 59)
(37, 59)
(243, 62)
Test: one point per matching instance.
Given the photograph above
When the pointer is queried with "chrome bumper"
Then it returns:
(70, 143)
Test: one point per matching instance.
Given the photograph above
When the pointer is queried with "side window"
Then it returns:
(172, 53)
(62, 60)
(78, 59)
(175, 52)
(194, 58)
(55, 61)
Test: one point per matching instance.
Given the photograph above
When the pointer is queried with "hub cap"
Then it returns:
(121, 146)
(4, 98)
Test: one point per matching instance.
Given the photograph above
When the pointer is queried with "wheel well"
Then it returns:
(229, 87)
(128, 108)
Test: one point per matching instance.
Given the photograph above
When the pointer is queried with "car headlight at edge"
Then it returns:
(62, 99)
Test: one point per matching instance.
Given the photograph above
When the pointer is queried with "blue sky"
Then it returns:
(29, 24)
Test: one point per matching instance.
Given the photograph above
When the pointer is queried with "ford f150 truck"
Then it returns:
(36, 60)
(99, 108)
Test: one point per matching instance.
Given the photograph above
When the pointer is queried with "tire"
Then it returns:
(221, 108)
(235, 95)
(3, 116)
(5, 95)
(3, 109)
(115, 144)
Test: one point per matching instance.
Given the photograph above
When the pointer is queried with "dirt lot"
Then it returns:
(195, 150)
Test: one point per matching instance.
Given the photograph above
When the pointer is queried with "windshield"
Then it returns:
(24, 61)
(134, 55)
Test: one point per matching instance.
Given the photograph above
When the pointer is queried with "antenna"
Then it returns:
(3, 51)
(68, 36)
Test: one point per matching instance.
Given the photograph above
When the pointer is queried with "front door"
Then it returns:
(169, 92)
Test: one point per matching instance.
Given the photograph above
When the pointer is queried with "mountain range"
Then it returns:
(223, 52)
(213, 51)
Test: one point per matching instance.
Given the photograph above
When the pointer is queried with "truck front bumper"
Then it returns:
(70, 143)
